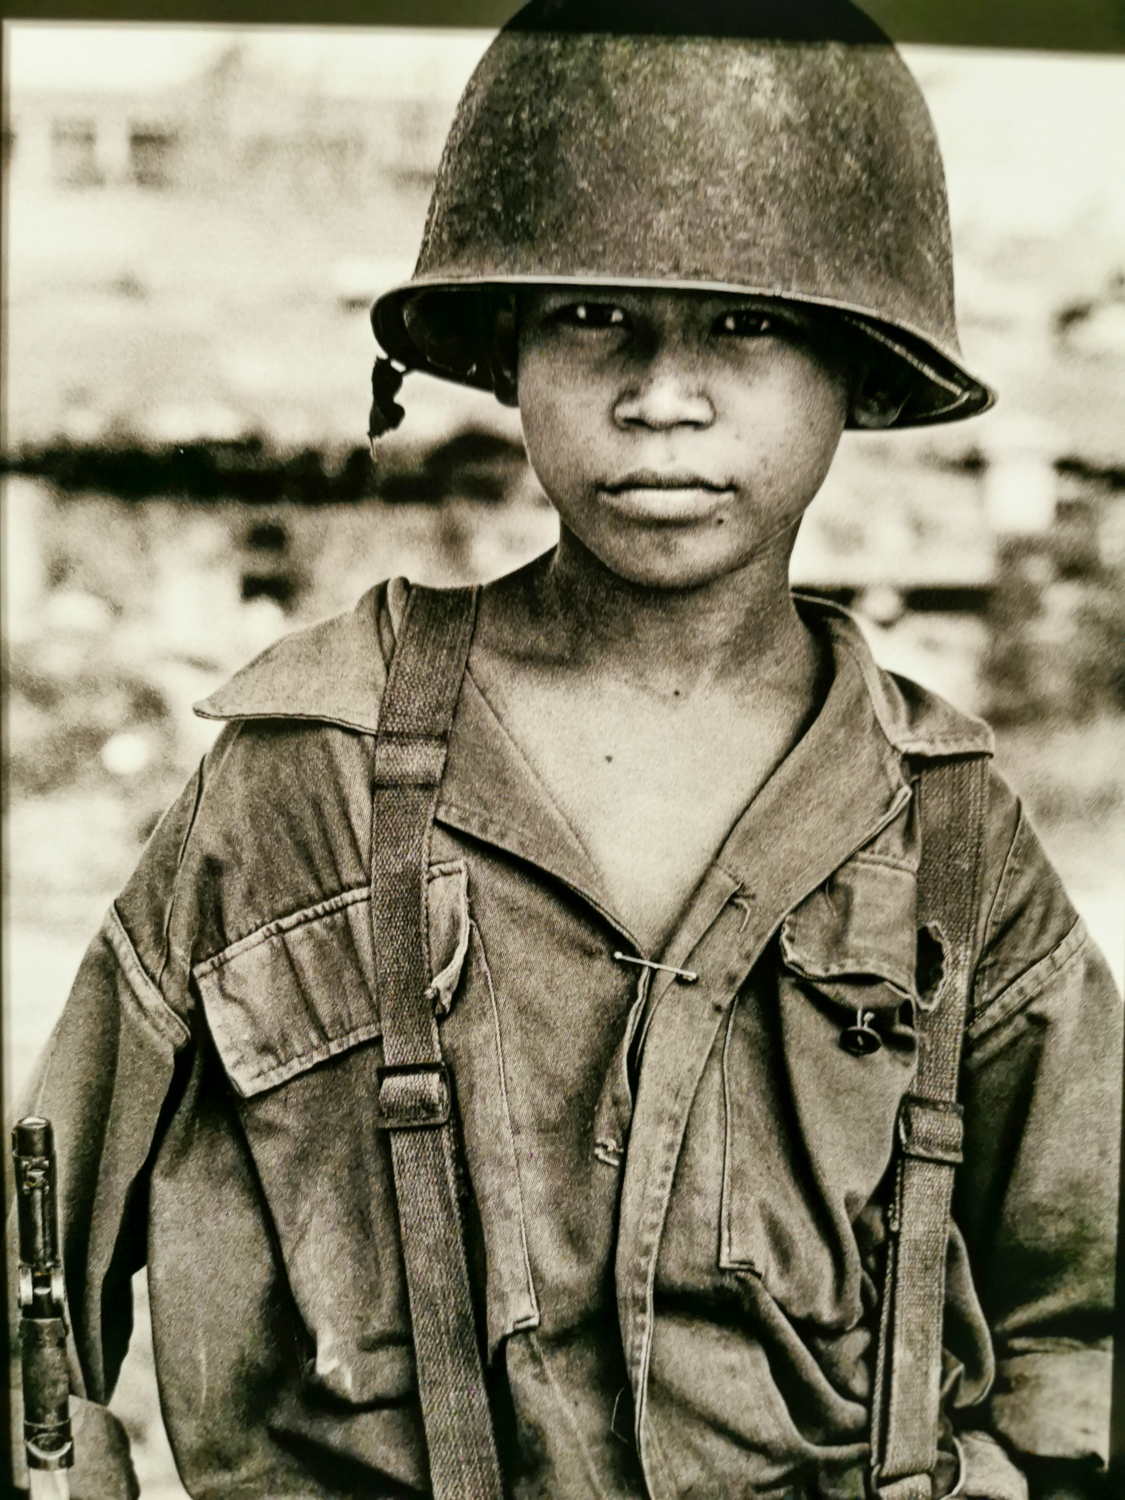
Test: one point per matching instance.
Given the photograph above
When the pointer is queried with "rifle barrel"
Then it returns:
(46, 1379)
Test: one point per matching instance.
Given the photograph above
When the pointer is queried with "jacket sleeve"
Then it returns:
(1037, 1196)
(102, 1081)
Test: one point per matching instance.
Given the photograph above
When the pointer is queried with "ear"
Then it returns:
(878, 398)
(503, 353)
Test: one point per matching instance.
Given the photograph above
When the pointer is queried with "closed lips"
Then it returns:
(650, 479)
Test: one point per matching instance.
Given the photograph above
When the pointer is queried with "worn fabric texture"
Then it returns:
(676, 1191)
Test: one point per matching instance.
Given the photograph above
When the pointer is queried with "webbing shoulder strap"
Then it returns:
(415, 1099)
(907, 1400)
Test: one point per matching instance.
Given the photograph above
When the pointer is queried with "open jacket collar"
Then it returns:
(852, 753)
(335, 672)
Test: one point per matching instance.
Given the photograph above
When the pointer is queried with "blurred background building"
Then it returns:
(198, 220)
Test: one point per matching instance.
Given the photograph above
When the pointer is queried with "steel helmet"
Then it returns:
(774, 147)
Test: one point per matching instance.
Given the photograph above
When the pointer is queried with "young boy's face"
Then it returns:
(679, 434)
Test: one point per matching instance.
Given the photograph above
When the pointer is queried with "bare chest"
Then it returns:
(651, 791)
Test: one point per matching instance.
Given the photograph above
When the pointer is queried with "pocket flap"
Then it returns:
(299, 990)
(859, 925)
(292, 994)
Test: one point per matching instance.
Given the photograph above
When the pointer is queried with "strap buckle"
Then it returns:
(414, 1096)
(930, 1131)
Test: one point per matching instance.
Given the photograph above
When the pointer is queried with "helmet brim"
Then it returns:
(442, 327)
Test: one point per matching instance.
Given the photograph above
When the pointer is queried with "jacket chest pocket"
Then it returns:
(295, 1022)
(292, 994)
(299, 991)
(809, 1124)
(293, 1018)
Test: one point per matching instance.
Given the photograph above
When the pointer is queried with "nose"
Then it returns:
(664, 399)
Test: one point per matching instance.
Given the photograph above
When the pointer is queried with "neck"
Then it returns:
(737, 631)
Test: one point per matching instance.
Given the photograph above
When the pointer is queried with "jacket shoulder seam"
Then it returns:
(1007, 875)
(150, 1002)
(1031, 982)
(166, 951)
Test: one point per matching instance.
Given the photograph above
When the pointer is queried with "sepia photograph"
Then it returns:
(563, 603)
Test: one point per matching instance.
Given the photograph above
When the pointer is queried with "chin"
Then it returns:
(673, 564)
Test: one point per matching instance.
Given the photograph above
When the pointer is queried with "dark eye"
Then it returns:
(593, 315)
(749, 323)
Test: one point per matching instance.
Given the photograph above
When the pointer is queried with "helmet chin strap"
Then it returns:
(386, 413)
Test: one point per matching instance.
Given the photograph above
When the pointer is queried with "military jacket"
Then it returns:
(676, 1192)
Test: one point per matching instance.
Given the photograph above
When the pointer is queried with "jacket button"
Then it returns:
(861, 1038)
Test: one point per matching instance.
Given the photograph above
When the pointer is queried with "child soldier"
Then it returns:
(529, 1056)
